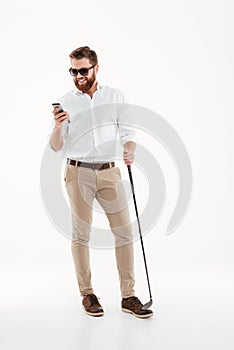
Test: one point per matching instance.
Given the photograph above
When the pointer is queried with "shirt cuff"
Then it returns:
(127, 138)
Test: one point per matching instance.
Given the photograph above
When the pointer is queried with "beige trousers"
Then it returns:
(83, 185)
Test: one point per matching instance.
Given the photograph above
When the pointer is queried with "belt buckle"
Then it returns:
(103, 166)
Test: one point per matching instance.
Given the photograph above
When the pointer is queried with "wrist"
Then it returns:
(57, 127)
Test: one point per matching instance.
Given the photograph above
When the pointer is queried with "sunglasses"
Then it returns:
(83, 71)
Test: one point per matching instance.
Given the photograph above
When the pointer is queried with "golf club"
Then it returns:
(147, 305)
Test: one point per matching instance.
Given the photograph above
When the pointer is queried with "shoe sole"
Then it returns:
(96, 314)
(139, 316)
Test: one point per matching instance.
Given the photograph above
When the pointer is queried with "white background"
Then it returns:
(176, 58)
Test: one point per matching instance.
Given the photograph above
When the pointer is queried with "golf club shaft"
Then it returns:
(142, 245)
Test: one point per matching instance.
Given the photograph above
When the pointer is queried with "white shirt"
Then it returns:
(91, 133)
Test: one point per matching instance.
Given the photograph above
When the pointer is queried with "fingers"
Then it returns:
(60, 117)
(55, 110)
(128, 157)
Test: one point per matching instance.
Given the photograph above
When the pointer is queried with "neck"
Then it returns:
(92, 89)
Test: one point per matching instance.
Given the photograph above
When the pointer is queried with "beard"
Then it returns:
(86, 86)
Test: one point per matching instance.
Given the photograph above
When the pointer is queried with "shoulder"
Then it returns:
(116, 93)
(69, 100)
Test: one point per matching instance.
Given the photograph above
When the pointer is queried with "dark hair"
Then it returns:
(84, 51)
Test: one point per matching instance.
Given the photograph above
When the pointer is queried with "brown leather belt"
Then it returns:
(94, 166)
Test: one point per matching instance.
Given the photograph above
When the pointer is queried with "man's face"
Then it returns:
(84, 83)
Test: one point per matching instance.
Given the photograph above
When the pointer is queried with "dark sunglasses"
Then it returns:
(83, 71)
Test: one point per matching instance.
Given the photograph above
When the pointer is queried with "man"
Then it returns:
(86, 132)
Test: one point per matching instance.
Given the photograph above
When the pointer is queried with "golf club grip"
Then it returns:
(138, 221)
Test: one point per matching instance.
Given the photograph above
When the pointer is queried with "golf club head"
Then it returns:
(147, 305)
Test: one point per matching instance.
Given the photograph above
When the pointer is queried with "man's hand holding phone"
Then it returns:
(59, 114)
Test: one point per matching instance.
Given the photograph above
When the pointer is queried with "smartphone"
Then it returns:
(58, 106)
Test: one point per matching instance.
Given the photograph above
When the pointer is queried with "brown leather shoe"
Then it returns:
(134, 306)
(92, 306)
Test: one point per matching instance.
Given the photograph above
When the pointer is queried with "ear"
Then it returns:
(96, 68)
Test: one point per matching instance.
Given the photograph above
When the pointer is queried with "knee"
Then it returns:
(123, 234)
(82, 237)
(80, 231)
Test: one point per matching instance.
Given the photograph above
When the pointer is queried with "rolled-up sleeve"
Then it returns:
(127, 131)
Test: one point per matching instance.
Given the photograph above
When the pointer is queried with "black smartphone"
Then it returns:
(58, 106)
